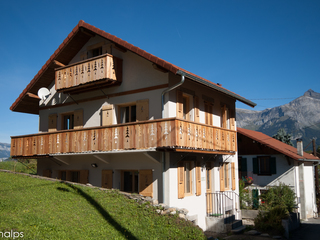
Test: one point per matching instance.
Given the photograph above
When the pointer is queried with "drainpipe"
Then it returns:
(162, 116)
(168, 90)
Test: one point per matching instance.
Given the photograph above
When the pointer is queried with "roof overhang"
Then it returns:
(217, 87)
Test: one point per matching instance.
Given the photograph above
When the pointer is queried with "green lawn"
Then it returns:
(23, 166)
(43, 209)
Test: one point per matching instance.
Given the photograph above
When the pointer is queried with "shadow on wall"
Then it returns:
(126, 234)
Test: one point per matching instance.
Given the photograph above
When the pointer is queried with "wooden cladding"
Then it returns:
(105, 67)
(164, 133)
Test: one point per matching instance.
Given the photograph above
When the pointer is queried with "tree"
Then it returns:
(283, 136)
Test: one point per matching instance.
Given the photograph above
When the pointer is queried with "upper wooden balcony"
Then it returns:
(162, 134)
(90, 74)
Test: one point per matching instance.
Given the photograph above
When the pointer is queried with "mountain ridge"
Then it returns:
(300, 118)
(5, 150)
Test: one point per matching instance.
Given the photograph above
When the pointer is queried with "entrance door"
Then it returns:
(209, 188)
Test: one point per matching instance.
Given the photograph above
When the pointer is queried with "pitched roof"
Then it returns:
(28, 103)
(277, 145)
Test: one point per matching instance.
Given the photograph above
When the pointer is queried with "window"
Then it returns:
(227, 176)
(186, 178)
(184, 106)
(72, 120)
(130, 181)
(79, 176)
(137, 181)
(138, 111)
(128, 114)
(96, 52)
(227, 117)
(68, 121)
(264, 165)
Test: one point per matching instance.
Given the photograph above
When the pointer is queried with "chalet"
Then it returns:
(118, 117)
(271, 162)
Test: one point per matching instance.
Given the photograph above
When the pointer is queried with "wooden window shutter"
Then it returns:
(84, 176)
(106, 179)
(243, 167)
(146, 182)
(142, 110)
(180, 180)
(210, 114)
(222, 177)
(233, 175)
(179, 104)
(196, 109)
(107, 115)
(273, 165)
(255, 166)
(198, 179)
(52, 124)
(232, 120)
(224, 116)
(78, 119)
(46, 173)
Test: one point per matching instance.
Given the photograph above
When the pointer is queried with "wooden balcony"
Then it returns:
(163, 134)
(93, 73)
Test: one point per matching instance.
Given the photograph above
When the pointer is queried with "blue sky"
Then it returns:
(257, 49)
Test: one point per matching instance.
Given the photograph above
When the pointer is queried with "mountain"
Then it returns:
(300, 118)
(4, 150)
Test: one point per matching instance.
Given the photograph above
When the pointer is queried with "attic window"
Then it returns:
(96, 52)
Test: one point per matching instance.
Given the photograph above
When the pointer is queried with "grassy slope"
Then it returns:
(24, 166)
(43, 209)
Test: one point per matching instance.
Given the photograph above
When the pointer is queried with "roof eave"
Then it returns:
(218, 88)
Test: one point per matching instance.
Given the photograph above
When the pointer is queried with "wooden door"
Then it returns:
(146, 182)
(106, 179)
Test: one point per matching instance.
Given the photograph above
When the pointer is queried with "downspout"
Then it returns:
(168, 90)
(162, 116)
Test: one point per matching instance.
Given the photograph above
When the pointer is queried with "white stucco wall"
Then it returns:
(196, 205)
(284, 173)
(309, 187)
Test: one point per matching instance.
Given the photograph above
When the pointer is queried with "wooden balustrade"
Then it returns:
(163, 133)
(104, 67)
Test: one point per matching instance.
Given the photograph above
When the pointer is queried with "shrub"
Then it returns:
(244, 194)
(271, 221)
(281, 195)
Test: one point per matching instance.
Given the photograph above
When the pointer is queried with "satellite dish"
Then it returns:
(43, 93)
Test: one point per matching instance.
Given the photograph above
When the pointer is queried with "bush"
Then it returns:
(244, 194)
(279, 202)
(271, 221)
(281, 195)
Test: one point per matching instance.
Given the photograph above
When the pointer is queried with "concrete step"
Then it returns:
(238, 229)
(236, 224)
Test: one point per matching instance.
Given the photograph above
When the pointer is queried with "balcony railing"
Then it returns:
(104, 69)
(171, 133)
